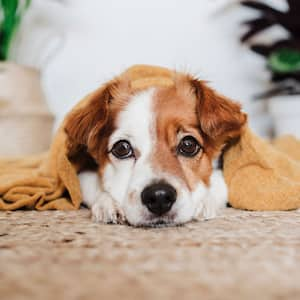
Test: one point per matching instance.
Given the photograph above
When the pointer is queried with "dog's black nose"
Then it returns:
(159, 198)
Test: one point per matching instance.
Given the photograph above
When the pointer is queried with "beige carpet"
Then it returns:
(63, 255)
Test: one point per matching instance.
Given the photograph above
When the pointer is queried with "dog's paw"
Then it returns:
(105, 210)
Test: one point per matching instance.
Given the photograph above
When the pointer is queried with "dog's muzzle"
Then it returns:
(159, 198)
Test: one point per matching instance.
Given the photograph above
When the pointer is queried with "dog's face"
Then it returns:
(154, 148)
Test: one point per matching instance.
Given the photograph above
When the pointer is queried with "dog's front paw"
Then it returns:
(106, 210)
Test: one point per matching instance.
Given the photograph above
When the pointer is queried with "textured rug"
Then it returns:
(63, 255)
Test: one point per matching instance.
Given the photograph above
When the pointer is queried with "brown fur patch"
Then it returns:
(221, 120)
(90, 126)
(194, 109)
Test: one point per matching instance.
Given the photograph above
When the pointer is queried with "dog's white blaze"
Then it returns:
(136, 125)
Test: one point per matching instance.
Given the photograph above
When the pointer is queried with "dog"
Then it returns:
(146, 155)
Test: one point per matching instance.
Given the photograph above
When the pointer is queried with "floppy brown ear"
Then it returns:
(220, 118)
(87, 116)
(84, 124)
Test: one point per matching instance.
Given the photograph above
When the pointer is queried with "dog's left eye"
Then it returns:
(188, 146)
(122, 149)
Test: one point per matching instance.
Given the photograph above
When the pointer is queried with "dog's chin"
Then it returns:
(158, 222)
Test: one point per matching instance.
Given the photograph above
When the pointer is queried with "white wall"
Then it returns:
(104, 37)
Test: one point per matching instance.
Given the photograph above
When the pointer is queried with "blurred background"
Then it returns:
(55, 52)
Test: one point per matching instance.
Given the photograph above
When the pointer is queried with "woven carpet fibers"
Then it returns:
(63, 255)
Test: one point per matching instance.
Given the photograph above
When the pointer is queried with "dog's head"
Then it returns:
(154, 147)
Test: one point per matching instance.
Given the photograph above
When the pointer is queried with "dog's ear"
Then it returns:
(83, 120)
(85, 123)
(221, 119)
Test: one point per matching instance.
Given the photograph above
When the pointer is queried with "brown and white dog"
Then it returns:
(152, 150)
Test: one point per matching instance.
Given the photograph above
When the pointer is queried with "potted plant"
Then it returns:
(282, 60)
(25, 120)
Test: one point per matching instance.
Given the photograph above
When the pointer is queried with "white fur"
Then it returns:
(116, 195)
(90, 188)
(217, 196)
(104, 208)
(125, 179)
(133, 124)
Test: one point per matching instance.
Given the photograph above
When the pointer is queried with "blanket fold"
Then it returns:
(263, 175)
(46, 181)
(260, 175)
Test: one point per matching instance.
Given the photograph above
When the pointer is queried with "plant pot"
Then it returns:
(25, 120)
(285, 112)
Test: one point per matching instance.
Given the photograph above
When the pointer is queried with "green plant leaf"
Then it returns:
(13, 11)
(9, 7)
(27, 3)
(284, 61)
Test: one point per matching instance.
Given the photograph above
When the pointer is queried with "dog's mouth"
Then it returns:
(159, 222)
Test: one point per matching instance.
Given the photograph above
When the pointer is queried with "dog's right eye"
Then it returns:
(188, 146)
(122, 149)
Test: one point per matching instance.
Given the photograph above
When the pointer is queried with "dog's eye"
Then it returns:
(122, 149)
(188, 146)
